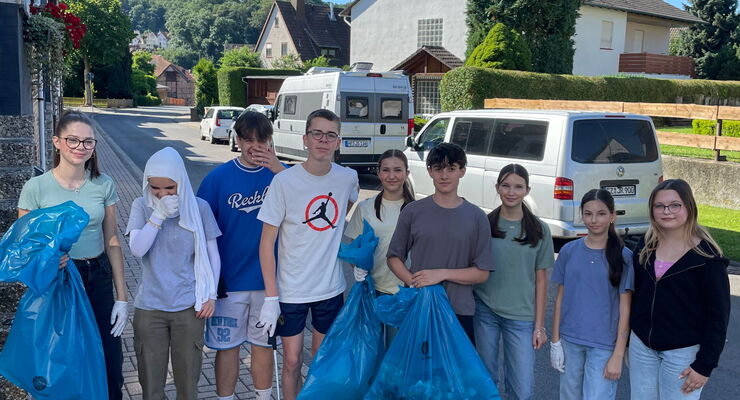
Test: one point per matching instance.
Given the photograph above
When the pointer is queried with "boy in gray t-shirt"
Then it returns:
(448, 237)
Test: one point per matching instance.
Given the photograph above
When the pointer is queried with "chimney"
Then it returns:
(331, 12)
(300, 9)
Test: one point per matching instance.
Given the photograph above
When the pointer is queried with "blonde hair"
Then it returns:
(691, 228)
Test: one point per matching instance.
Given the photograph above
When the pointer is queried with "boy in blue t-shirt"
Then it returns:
(235, 191)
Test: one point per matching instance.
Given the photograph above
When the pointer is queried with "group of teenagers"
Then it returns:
(254, 251)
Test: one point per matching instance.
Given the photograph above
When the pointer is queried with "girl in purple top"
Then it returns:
(591, 318)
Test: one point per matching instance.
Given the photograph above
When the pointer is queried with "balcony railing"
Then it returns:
(648, 63)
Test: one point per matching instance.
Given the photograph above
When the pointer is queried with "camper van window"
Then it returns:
(357, 107)
(434, 133)
(290, 105)
(391, 108)
(519, 139)
(473, 134)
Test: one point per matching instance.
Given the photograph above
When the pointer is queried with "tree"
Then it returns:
(319, 61)
(206, 84)
(502, 48)
(180, 55)
(240, 57)
(146, 15)
(107, 37)
(714, 45)
(288, 61)
(142, 60)
(547, 27)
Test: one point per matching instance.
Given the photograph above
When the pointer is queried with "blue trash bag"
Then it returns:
(361, 251)
(349, 356)
(53, 350)
(431, 357)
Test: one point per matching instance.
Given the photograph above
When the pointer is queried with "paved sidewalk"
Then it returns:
(127, 177)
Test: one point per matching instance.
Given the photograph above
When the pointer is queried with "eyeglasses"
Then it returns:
(673, 207)
(87, 144)
(318, 135)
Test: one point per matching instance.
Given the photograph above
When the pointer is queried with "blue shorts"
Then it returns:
(323, 313)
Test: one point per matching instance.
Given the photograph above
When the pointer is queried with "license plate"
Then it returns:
(626, 190)
(356, 143)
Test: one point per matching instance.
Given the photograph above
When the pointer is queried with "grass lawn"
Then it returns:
(724, 225)
(684, 151)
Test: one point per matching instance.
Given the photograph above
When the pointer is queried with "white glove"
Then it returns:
(166, 207)
(360, 274)
(557, 358)
(119, 317)
(269, 315)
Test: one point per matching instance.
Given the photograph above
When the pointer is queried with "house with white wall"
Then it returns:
(612, 36)
(305, 30)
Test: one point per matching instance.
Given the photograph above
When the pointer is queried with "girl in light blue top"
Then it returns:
(591, 319)
(97, 254)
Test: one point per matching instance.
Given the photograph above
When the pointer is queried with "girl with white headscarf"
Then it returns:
(175, 234)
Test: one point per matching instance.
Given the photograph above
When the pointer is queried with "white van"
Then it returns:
(566, 154)
(376, 109)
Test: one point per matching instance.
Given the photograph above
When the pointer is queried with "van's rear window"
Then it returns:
(606, 141)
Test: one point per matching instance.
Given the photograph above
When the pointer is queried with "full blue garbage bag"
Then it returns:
(349, 356)
(53, 350)
(431, 357)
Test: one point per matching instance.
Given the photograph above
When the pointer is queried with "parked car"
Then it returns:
(566, 153)
(216, 121)
(376, 109)
(264, 109)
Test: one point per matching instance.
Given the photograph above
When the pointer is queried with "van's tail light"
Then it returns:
(374, 75)
(660, 179)
(411, 127)
(218, 122)
(563, 189)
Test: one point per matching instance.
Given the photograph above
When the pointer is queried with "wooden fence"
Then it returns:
(688, 111)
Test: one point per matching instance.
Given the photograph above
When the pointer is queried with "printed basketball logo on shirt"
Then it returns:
(247, 203)
(318, 212)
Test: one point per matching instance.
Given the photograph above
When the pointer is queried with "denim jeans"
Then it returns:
(654, 374)
(584, 373)
(98, 280)
(518, 372)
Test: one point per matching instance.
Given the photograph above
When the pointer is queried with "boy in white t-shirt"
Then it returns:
(307, 205)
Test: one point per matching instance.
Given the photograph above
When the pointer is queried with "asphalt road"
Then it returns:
(141, 132)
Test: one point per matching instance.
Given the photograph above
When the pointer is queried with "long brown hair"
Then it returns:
(408, 196)
(691, 228)
(67, 118)
(614, 244)
(531, 232)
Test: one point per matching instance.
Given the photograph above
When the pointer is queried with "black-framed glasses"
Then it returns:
(73, 143)
(673, 207)
(318, 135)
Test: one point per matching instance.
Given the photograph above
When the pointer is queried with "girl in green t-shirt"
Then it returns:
(510, 305)
(97, 254)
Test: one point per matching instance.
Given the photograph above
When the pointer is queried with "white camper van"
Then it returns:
(376, 109)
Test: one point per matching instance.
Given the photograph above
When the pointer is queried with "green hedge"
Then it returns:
(147, 100)
(231, 88)
(466, 87)
(706, 127)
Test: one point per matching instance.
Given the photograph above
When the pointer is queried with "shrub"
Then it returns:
(467, 87)
(503, 48)
(147, 100)
(707, 127)
(240, 57)
(232, 90)
(142, 83)
(206, 84)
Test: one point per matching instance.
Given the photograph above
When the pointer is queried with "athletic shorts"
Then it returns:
(235, 321)
(323, 313)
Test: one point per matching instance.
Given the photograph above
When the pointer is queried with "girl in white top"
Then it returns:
(175, 234)
(382, 212)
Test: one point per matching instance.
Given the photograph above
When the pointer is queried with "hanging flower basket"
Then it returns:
(50, 33)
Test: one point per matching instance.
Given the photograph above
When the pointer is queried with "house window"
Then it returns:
(268, 50)
(329, 53)
(283, 48)
(427, 97)
(277, 21)
(607, 29)
(429, 32)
